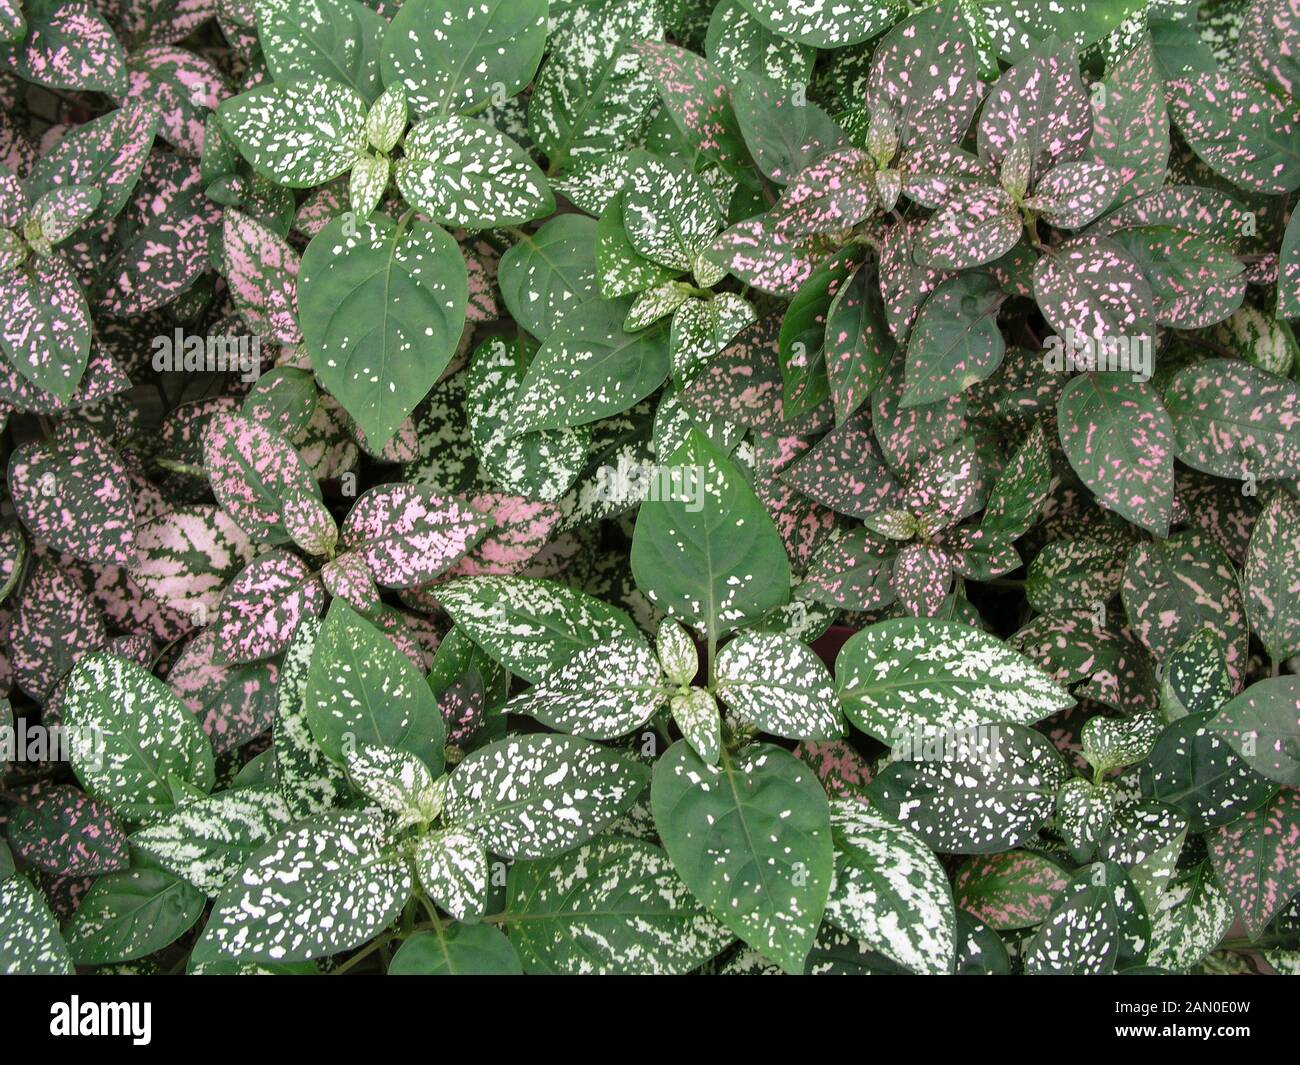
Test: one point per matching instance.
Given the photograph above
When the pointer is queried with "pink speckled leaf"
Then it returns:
(1239, 128)
(54, 625)
(1174, 588)
(1092, 287)
(186, 557)
(1039, 105)
(933, 174)
(45, 325)
(481, 261)
(1272, 576)
(831, 195)
(949, 486)
(262, 271)
(62, 830)
(234, 704)
(74, 494)
(517, 529)
(1194, 281)
(264, 605)
(921, 577)
(925, 70)
(254, 472)
(904, 282)
(408, 534)
(107, 153)
(348, 577)
(858, 344)
(1130, 125)
(186, 88)
(843, 772)
(71, 46)
(908, 436)
(753, 252)
(1015, 889)
(1235, 420)
(1257, 859)
(162, 238)
(845, 471)
(1268, 44)
(698, 100)
(463, 704)
(853, 572)
(1120, 441)
(1072, 194)
(980, 225)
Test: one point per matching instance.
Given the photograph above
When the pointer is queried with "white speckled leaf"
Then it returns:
(206, 841)
(298, 134)
(532, 626)
(670, 215)
(676, 650)
(613, 906)
(825, 23)
(1080, 937)
(314, 890)
(897, 675)
(396, 780)
(30, 943)
(992, 799)
(127, 733)
(780, 685)
(537, 796)
(752, 840)
(453, 869)
(890, 891)
(696, 713)
(466, 173)
(1193, 917)
(602, 692)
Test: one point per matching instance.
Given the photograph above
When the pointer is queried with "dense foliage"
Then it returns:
(650, 486)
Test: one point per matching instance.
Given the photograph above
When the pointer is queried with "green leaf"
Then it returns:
(548, 273)
(538, 796)
(360, 688)
(206, 841)
(898, 676)
(612, 906)
(316, 889)
(532, 626)
(457, 950)
(890, 891)
(299, 134)
(336, 39)
(706, 552)
(30, 941)
(602, 692)
(590, 368)
(457, 59)
(128, 733)
(780, 685)
(131, 914)
(1080, 938)
(751, 838)
(382, 309)
(784, 131)
(466, 173)
(987, 801)
(1018, 494)
(1263, 726)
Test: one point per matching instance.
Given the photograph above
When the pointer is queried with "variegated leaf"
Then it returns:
(537, 796)
(207, 841)
(453, 868)
(890, 891)
(778, 684)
